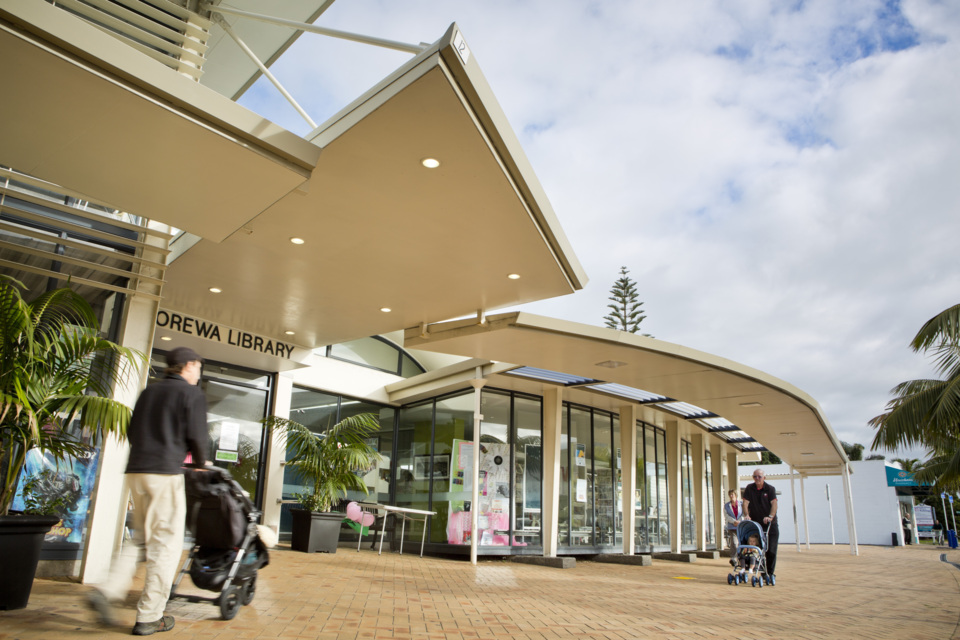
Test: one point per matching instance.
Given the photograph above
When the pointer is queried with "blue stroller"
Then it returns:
(751, 559)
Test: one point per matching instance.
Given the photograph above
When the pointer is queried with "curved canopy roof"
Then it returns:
(738, 404)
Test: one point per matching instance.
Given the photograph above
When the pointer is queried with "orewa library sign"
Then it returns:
(224, 335)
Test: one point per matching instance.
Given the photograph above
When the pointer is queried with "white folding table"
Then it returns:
(404, 513)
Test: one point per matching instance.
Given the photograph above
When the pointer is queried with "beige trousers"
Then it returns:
(159, 517)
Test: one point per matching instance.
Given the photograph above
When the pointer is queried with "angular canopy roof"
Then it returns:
(88, 112)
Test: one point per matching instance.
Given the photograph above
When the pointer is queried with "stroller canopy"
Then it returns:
(749, 528)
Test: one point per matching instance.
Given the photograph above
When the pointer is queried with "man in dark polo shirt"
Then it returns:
(760, 505)
(169, 420)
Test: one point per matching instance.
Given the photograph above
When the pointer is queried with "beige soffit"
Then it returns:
(83, 110)
(382, 231)
(226, 68)
(701, 379)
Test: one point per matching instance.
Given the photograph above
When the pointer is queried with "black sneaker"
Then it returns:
(99, 603)
(149, 628)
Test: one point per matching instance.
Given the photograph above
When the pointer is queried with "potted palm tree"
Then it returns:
(56, 378)
(331, 463)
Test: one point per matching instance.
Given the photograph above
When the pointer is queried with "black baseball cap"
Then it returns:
(182, 355)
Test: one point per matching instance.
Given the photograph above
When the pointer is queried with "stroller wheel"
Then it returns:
(248, 590)
(771, 580)
(729, 578)
(229, 602)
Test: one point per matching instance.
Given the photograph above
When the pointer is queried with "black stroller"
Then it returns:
(751, 559)
(227, 550)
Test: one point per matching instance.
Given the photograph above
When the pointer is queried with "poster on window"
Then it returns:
(63, 487)
(581, 490)
(580, 455)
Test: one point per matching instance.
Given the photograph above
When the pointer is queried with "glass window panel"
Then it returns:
(618, 483)
(317, 411)
(563, 528)
(653, 505)
(528, 490)
(368, 351)
(409, 367)
(688, 516)
(711, 539)
(640, 501)
(451, 472)
(377, 478)
(496, 471)
(603, 463)
(663, 513)
(581, 478)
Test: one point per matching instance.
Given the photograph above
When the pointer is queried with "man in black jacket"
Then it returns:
(169, 420)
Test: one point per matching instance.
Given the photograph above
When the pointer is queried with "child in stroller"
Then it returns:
(751, 562)
(229, 546)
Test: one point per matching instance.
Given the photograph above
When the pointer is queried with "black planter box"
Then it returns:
(20, 540)
(313, 532)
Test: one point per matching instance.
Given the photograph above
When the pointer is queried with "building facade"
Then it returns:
(318, 275)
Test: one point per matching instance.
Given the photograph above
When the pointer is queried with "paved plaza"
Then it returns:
(899, 593)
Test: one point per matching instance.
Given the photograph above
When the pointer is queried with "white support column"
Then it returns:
(806, 521)
(851, 523)
(719, 494)
(477, 384)
(793, 501)
(276, 454)
(697, 476)
(109, 508)
(733, 472)
(628, 478)
(552, 417)
(674, 508)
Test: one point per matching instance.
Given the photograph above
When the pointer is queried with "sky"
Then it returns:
(781, 179)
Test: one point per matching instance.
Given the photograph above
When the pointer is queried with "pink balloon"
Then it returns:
(368, 519)
(354, 512)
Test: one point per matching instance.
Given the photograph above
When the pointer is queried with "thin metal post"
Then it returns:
(851, 523)
(312, 28)
(477, 384)
(263, 69)
(833, 536)
(793, 499)
(806, 521)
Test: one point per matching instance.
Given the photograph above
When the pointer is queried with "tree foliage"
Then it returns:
(331, 462)
(926, 413)
(57, 376)
(626, 313)
(854, 451)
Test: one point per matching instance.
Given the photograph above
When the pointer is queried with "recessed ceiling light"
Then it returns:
(215, 290)
(751, 404)
(289, 333)
(514, 276)
(430, 163)
(611, 364)
(297, 240)
(386, 309)
(166, 338)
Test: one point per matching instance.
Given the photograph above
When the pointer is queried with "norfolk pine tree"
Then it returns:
(626, 313)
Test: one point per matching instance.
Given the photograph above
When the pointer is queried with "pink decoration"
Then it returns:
(354, 512)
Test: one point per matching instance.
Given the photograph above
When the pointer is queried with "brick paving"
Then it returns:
(899, 593)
